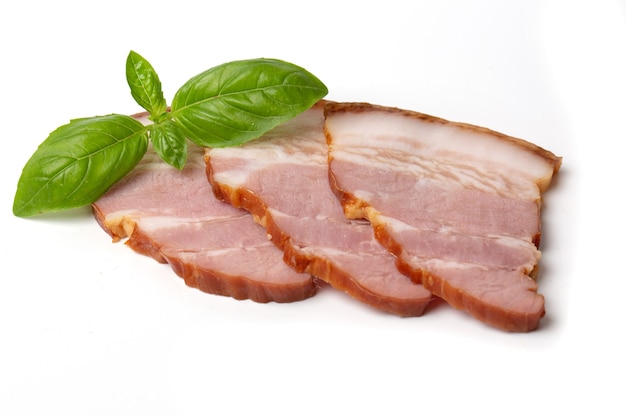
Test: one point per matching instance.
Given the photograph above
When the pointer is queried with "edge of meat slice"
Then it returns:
(282, 179)
(172, 216)
(459, 205)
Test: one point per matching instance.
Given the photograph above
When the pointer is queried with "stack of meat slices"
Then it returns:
(172, 216)
(458, 204)
(393, 207)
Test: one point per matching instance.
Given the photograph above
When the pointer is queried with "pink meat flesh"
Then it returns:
(172, 216)
(458, 204)
(282, 179)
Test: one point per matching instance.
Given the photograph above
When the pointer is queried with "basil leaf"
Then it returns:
(170, 143)
(240, 100)
(78, 162)
(144, 84)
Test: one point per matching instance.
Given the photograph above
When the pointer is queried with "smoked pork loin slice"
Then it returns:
(173, 217)
(458, 204)
(282, 179)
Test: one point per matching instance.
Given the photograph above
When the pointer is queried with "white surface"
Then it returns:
(90, 328)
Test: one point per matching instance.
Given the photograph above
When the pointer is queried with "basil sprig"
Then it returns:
(224, 106)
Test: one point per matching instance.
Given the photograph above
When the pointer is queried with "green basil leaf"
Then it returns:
(240, 100)
(144, 84)
(170, 143)
(78, 162)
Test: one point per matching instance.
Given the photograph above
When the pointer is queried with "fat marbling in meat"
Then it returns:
(458, 204)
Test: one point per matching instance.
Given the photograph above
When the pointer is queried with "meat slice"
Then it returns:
(173, 217)
(282, 179)
(458, 204)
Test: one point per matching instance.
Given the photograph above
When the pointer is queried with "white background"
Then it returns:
(89, 328)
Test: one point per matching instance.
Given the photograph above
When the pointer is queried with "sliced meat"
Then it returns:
(173, 217)
(458, 204)
(282, 179)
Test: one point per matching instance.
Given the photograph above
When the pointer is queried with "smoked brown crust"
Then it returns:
(506, 320)
(239, 287)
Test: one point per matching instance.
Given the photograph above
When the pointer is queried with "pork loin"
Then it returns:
(459, 205)
(173, 217)
(282, 179)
